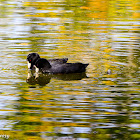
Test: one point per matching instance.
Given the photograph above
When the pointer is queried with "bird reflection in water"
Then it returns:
(43, 79)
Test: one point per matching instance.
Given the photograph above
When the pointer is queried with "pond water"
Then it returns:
(103, 103)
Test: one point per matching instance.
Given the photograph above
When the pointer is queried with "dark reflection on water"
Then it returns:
(43, 79)
(102, 105)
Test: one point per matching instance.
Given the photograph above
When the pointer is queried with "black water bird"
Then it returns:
(45, 66)
(32, 58)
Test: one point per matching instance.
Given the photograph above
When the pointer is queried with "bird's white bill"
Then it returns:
(29, 65)
(36, 69)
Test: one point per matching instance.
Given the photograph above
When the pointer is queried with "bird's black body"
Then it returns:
(44, 66)
(54, 66)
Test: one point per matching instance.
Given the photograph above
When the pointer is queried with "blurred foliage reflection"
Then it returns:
(102, 103)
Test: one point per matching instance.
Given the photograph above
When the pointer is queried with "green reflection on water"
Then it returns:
(104, 34)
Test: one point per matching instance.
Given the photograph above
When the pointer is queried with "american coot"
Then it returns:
(33, 57)
(44, 66)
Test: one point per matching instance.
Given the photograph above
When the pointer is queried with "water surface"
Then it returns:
(101, 104)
